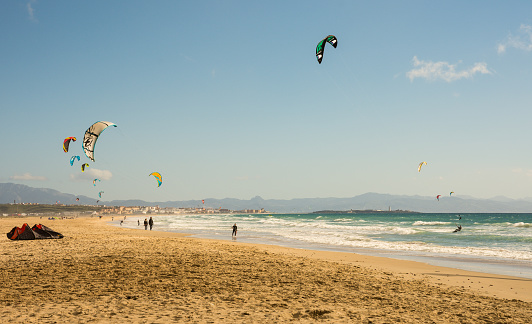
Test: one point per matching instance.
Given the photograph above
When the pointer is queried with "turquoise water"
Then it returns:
(493, 243)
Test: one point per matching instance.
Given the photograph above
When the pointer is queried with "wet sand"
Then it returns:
(106, 274)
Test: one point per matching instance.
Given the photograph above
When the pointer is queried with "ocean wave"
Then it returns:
(499, 239)
(522, 224)
(344, 220)
(422, 223)
(355, 241)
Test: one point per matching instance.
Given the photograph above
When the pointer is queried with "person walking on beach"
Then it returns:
(151, 223)
(145, 223)
(234, 230)
(138, 222)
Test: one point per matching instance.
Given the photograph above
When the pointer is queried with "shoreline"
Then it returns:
(477, 281)
(103, 273)
(475, 263)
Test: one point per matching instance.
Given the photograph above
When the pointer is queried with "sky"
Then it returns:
(227, 99)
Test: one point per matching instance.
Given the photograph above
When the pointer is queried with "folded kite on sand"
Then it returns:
(38, 231)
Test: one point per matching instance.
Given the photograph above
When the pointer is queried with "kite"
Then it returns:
(100, 194)
(438, 197)
(77, 199)
(91, 135)
(94, 181)
(73, 158)
(203, 201)
(331, 39)
(451, 193)
(83, 166)
(157, 176)
(419, 167)
(33, 233)
(66, 143)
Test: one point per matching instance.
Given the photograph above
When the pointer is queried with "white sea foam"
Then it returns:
(422, 223)
(412, 234)
(343, 220)
(522, 224)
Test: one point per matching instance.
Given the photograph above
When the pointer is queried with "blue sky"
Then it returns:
(226, 98)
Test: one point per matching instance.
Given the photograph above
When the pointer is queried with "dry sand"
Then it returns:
(104, 274)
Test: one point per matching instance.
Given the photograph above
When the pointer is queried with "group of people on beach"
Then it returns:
(150, 222)
(146, 223)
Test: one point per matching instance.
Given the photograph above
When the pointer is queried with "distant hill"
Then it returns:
(374, 201)
(11, 192)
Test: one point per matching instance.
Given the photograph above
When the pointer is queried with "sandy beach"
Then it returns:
(106, 274)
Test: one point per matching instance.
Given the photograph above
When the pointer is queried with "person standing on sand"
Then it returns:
(138, 222)
(145, 223)
(151, 223)
(234, 230)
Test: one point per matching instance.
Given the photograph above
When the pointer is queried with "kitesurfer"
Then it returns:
(458, 228)
(234, 231)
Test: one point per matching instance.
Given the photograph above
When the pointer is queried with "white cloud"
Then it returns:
(31, 11)
(91, 174)
(527, 173)
(28, 177)
(522, 41)
(443, 71)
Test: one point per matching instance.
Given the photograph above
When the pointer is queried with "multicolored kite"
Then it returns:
(419, 167)
(331, 39)
(83, 166)
(72, 159)
(66, 143)
(157, 176)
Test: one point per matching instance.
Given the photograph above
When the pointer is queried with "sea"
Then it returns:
(489, 243)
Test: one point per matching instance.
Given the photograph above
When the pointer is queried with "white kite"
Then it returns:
(91, 135)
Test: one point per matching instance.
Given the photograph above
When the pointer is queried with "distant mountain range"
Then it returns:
(10, 192)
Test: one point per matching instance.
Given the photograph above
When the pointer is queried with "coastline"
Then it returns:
(104, 273)
(425, 240)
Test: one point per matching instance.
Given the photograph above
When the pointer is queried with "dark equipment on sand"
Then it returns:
(38, 231)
